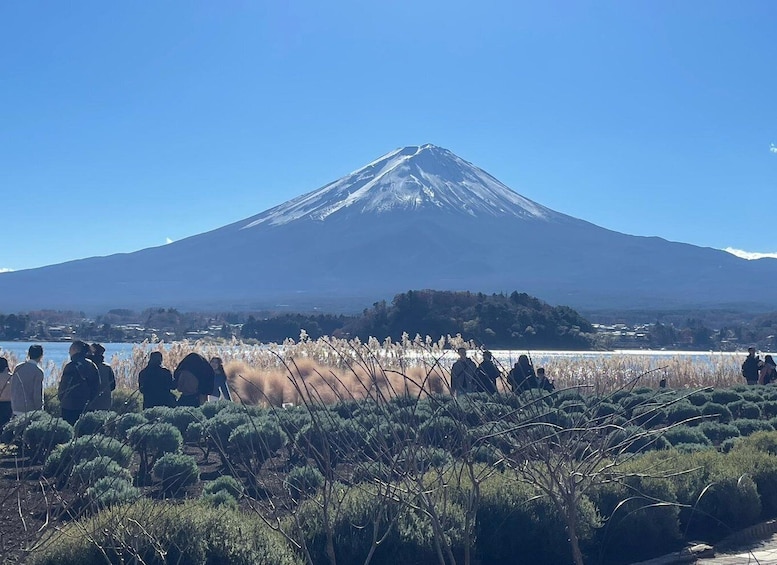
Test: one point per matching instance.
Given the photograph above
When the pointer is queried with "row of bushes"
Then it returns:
(749, 409)
(157, 533)
(373, 438)
(96, 465)
(661, 500)
(370, 443)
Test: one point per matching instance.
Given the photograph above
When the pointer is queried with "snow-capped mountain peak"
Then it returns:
(409, 178)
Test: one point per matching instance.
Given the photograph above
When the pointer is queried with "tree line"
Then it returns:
(500, 320)
(496, 320)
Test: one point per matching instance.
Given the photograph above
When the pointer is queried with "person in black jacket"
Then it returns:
(220, 387)
(543, 382)
(751, 367)
(487, 375)
(522, 376)
(155, 383)
(107, 378)
(6, 411)
(79, 384)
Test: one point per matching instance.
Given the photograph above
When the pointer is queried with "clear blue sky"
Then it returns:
(127, 124)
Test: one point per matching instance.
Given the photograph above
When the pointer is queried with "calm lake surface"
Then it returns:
(55, 353)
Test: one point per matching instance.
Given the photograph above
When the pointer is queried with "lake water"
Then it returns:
(55, 353)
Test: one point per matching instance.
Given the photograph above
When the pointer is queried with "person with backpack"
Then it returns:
(107, 378)
(79, 384)
(194, 378)
(751, 367)
(188, 386)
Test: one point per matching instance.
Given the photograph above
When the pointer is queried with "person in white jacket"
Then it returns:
(27, 383)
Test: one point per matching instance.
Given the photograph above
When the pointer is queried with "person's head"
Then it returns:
(35, 352)
(217, 364)
(78, 347)
(541, 372)
(523, 360)
(750, 351)
(462, 352)
(487, 355)
(768, 360)
(97, 352)
(155, 359)
(3, 364)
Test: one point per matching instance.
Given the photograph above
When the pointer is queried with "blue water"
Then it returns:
(55, 353)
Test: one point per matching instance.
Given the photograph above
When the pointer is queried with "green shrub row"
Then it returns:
(159, 533)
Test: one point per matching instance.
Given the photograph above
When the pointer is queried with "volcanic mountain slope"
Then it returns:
(410, 179)
(418, 217)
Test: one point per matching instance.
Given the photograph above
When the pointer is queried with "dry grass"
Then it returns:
(330, 369)
(605, 373)
(307, 380)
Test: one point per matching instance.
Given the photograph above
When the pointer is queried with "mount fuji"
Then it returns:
(418, 217)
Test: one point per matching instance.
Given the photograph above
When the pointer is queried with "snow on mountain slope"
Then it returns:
(410, 178)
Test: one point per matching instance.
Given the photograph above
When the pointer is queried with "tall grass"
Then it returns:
(331, 369)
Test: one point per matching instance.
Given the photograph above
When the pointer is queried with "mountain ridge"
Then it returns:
(419, 217)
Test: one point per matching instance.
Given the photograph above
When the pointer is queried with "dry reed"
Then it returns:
(329, 369)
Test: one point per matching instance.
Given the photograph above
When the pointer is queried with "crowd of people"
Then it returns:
(195, 378)
(757, 371)
(87, 382)
(467, 377)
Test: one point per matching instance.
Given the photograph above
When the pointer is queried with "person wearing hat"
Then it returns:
(103, 400)
(768, 372)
